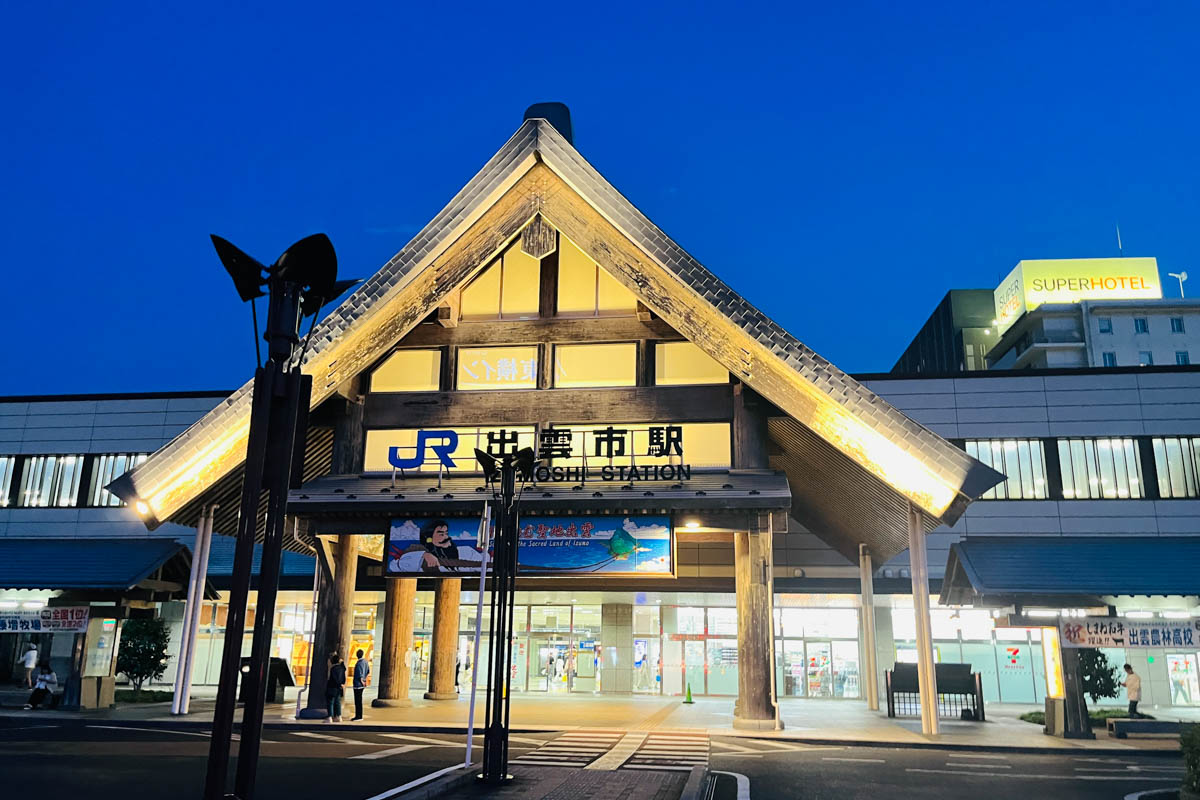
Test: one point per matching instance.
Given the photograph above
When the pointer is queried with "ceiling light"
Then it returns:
(33, 604)
(1176, 614)
(691, 525)
(1138, 615)
(6, 604)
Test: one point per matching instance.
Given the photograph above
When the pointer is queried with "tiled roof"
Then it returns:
(67, 563)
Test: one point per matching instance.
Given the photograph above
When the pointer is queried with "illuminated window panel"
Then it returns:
(587, 365)
(51, 481)
(481, 298)
(1177, 464)
(375, 456)
(705, 445)
(520, 289)
(683, 363)
(491, 368)
(1022, 460)
(109, 467)
(7, 463)
(586, 290)
(1094, 469)
(409, 371)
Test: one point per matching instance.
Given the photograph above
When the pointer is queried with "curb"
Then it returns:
(697, 784)
(436, 784)
(972, 748)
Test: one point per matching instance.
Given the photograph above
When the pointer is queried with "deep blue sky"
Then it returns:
(841, 166)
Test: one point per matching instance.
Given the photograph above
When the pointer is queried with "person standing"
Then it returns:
(47, 685)
(1133, 690)
(335, 687)
(362, 678)
(30, 662)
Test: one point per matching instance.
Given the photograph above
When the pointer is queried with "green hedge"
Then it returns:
(1099, 717)
(144, 696)
(1189, 743)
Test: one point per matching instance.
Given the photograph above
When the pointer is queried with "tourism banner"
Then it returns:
(551, 546)
(1130, 633)
(63, 619)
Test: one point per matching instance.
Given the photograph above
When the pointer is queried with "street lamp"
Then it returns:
(300, 281)
(1180, 276)
(501, 474)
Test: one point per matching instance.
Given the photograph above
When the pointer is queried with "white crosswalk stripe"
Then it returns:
(677, 752)
(575, 749)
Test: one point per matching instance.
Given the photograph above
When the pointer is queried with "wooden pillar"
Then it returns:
(445, 640)
(341, 612)
(395, 668)
(755, 708)
(749, 429)
(316, 705)
(870, 678)
(918, 566)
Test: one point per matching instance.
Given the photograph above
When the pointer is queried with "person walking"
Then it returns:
(30, 662)
(46, 686)
(335, 687)
(1133, 690)
(362, 679)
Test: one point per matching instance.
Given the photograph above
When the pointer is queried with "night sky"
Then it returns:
(840, 166)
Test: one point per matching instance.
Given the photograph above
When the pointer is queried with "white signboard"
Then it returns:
(66, 619)
(1130, 633)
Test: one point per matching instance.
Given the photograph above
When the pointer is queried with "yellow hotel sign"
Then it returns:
(1070, 280)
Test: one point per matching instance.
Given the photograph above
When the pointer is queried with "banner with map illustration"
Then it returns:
(551, 546)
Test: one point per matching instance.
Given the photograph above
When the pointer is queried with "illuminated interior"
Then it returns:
(587, 365)
(683, 363)
(408, 371)
(491, 368)
(586, 290)
(508, 289)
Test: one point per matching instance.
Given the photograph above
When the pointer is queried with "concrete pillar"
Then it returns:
(445, 640)
(395, 669)
(918, 563)
(755, 708)
(315, 702)
(885, 649)
(616, 645)
(867, 672)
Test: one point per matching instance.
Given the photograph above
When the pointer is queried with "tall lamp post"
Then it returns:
(300, 281)
(502, 475)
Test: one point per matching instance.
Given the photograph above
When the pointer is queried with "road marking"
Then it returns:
(855, 760)
(736, 747)
(391, 751)
(780, 745)
(28, 727)
(974, 756)
(743, 783)
(527, 740)
(423, 739)
(1130, 769)
(620, 753)
(326, 737)
(414, 784)
(659, 767)
(570, 750)
(981, 766)
(150, 730)
(1130, 777)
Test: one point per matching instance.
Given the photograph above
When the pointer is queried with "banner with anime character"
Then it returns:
(584, 545)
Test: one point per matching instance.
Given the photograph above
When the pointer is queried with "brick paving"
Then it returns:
(556, 783)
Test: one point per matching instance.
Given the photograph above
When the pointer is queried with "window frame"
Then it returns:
(1145, 358)
(1141, 325)
(1183, 358)
(441, 370)
(54, 482)
(661, 346)
(1108, 356)
(1083, 461)
(101, 474)
(1104, 324)
(458, 367)
(554, 376)
(997, 453)
(501, 316)
(1177, 325)
(1185, 474)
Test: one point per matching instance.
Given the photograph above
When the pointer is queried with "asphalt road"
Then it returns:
(788, 770)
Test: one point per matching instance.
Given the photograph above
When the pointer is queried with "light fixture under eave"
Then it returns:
(691, 524)
(141, 507)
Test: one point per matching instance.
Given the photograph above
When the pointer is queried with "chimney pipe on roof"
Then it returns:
(557, 114)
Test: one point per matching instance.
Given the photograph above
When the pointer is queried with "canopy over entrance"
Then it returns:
(854, 461)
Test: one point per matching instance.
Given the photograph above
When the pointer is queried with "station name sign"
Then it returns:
(1036, 282)
(601, 445)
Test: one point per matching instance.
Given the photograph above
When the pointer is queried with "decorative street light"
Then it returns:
(300, 281)
(502, 475)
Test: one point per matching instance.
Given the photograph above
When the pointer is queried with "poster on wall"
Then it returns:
(583, 545)
(1130, 633)
(63, 619)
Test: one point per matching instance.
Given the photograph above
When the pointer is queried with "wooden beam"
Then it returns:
(447, 312)
(530, 406)
(604, 329)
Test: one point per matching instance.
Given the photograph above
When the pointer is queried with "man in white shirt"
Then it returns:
(1133, 689)
(30, 661)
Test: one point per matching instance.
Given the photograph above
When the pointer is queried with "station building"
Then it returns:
(540, 307)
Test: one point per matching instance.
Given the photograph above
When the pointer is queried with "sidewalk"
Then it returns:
(813, 720)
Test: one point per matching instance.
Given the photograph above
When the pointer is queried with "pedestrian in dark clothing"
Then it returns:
(44, 688)
(335, 687)
(362, 677)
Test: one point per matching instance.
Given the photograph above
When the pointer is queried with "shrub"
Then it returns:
(143, 652)
(1189, 743)
(1098, 676)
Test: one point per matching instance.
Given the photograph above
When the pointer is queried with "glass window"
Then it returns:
(690, 620)
(7, 463)
(375, 457)
(645, 620)
(583, 365)
(508, 289)
(1141, 325)
(1105, 324)
(109, 467)
(834, 623)
(1100, 468)
(1145, 358)
(486, 368)
(683, 363)
(1177, 325)
(1182, 358)
(1177, 462)
(1022, 460)
(409, 371)
(1110, 359)
(51, 481)
(722, 622)
(705, 444)
(586, 290)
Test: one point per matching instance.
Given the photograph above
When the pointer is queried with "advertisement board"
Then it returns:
(72, 619)
(1070, 280)
(1130, 633)
(579, 545)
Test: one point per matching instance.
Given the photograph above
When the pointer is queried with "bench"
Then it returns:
(1122, 727)
(959, 691)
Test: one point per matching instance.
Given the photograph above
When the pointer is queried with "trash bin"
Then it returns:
(279, 677)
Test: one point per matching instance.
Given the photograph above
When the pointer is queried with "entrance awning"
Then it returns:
(152, 564)
(995, 570)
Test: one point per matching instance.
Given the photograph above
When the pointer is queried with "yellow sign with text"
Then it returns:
(1070, 280)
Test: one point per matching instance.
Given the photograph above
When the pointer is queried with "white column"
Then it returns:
(185, 630)
(870, 679)
(192, 619)
(919, 569)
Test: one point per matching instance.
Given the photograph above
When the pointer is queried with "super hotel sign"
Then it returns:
(553, 443)
(1070, 280)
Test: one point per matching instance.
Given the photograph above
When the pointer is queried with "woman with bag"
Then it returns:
(334, 687)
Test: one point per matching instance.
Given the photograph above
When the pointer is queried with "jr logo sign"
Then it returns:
(448, 442)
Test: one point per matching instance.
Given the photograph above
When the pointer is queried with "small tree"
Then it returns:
(1099, 678)
(143, 652)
